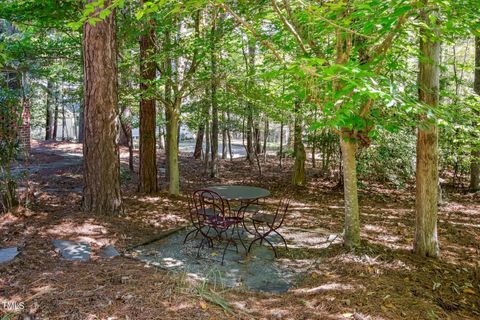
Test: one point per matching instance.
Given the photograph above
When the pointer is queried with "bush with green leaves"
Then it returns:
(390, 158)
(10, 120)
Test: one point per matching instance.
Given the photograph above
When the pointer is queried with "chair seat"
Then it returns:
(250, 208)
(263, 217)
(218, 222)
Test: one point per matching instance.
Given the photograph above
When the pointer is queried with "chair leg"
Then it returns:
(240, 238)
(189, 233)
(283, 239)
(251, 243)
(271, 245)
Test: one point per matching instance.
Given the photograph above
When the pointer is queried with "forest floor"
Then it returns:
(380, 280)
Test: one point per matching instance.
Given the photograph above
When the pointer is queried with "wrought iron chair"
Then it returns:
(264, 224)
(212, 220)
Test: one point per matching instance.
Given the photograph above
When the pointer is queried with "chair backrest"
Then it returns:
(207, 204)
(281, 212)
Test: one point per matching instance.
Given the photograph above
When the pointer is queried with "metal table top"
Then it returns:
(239, 192)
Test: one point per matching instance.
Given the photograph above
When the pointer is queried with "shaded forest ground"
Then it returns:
(381, 280)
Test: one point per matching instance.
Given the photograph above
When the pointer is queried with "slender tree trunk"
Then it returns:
(281, 144)
(49, 113)
(64, 121)
(300, 155)
(126, 127)
(101, 192)
(172, 147)
(213, 92)
(197, 154)
(426, 241)
(250, 84)
(475, 163)
(265, 138)
(224, 137)
(229, 135)
(207, 145)
(55, 115)
(352, 216)
(148, 153)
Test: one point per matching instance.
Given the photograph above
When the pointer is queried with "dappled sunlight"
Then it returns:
(325, 288)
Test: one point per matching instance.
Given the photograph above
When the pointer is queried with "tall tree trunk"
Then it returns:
(352, 216)
(101, 192)
(64, 121)
(229, 135)
(250, 84)
(207, 145)
(213, 92)
(49, 113)
(55, 115)
(126, 127)
(197, 153)
(172, 147)
(300, 155)
(348, 147)
(475, 163)
(265, 138)
(224, 137)
(426, 241)
(258, 143)
(148, 154)
(281, 144)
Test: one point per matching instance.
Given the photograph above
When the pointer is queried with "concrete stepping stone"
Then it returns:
(8, 254)
(73, 251)
(109, 252)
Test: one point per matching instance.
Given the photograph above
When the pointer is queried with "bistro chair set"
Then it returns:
(214, 218)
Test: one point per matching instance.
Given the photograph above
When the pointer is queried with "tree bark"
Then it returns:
(148, 153)
(197, 154)
(224, 137)
(352, 216)
(426, 240)
(475, 162)
(49, 113)
(281, 144)
(214, 103)
(172, 147)
(101, 192)
(300, 154)
(55, 115)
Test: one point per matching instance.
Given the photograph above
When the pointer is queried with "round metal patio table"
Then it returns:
(239, 192)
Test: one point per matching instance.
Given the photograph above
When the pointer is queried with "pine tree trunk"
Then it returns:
(426, 241)
(101, 192)
(49, 113)
(148, 144)
(475, 163)
(352, 215)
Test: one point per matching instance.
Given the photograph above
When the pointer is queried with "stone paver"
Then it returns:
(109, 252)
(73, 251)
(8, 254)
